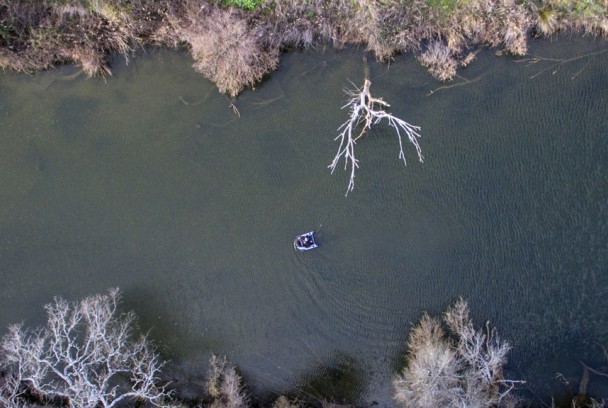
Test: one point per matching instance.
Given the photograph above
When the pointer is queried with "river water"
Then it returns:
(149, 182)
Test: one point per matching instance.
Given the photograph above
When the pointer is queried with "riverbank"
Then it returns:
(236, 46)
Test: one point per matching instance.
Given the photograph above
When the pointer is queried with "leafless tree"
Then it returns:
(283, 402)
(86, 356)
(224, 385)
(365, 111)
(460, 368)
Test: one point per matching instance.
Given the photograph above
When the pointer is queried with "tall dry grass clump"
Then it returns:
(452, 364)
(225, 49)
(296, 23)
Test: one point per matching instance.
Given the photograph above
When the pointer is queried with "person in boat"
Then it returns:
(306, 241)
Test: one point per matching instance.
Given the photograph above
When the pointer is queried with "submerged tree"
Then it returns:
(84, 357)
(365, 111)
(460, 368)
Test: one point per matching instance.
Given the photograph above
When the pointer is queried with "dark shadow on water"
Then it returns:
(340, 381)
(185, 375)
(163, 328)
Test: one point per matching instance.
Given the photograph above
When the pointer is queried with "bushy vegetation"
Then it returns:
(236, 42)
(224, 47)
(452, 364)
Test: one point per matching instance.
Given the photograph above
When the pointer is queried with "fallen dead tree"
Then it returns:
(366, 111)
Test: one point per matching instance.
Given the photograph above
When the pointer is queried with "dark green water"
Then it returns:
(149, 182)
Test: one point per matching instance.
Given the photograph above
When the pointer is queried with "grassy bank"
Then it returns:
(234, 43)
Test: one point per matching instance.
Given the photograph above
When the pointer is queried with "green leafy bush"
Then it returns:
(244, 4)
(444, 7)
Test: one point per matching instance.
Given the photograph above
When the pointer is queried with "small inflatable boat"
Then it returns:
(305, 242)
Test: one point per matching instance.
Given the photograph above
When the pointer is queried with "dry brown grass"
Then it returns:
(35, 35)
(378, 25)
(235, 48)
(44, 34)
(388, 28)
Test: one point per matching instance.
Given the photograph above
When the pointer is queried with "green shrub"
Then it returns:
(244, 4)
(444, 7)
(588, 8)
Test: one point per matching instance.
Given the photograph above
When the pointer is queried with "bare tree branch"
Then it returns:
(367, 111)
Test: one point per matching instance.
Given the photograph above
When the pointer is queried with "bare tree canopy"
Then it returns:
(86, 356)
(365, 111)
(462, 367)
(224, 385)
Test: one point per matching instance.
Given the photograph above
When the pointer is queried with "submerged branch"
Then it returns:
(557, 63)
